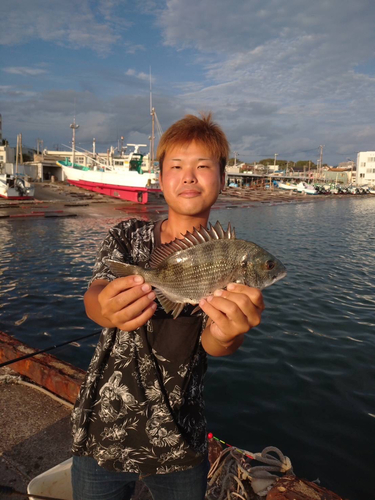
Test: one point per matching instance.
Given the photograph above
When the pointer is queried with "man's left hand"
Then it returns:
(233, 311)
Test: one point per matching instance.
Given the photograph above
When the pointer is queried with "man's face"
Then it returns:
(191, 180)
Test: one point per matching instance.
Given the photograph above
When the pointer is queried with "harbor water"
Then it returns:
(303, 381)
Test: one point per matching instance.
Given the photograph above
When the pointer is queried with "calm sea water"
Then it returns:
(303, 381)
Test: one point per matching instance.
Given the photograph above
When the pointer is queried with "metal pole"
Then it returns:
(18, 140)
(74, 127)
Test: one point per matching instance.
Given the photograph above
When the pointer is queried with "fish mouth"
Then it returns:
(279, 276)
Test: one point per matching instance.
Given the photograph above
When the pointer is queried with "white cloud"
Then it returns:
(24, 71)
(48, 115)
(280, 76)
(14, 93)
(132, 48)
(68, 23)
(140, 75)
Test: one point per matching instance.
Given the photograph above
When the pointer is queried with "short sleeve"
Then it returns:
(115, 247)
(129, 242)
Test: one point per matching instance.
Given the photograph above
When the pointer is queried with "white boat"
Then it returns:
(15, 187)
(125, 176)
(54, 483)
(352, 190)
(303, 187)
(371, 190)
(287, 186)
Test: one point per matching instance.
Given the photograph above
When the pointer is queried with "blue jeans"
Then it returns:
(92, 482)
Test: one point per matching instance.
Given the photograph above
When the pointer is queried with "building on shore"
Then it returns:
(365, 168)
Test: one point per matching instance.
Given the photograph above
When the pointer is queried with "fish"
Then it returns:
(188, 269)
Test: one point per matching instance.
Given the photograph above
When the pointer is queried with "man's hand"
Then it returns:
(126, 303)
(232, 312)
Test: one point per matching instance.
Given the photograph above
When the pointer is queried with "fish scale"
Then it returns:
(186, 270)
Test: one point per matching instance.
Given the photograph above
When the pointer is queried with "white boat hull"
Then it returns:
(287, 187)
(124, 184)
(12, 193)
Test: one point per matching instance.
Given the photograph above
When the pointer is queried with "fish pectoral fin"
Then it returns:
(169, 305)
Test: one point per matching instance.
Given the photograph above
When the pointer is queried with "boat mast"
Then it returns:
(19, 151)
(74, 126)
(152, 138)
(17, 155)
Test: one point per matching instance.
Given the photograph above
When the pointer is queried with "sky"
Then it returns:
(280, 76)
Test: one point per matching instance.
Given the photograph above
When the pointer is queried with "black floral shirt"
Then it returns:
(140, 408)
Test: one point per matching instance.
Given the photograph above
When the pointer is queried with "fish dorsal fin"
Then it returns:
(197, 237)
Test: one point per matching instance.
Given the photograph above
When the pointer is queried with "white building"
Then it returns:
(366, 168)
(7, 154)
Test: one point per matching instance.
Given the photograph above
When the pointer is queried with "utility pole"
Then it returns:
(235, 158)
(39, 146)
(17, 148)
(321, 159)
(152, 137)
(74, 126)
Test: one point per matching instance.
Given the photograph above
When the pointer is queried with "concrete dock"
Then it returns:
(59, 199)
(35, 431)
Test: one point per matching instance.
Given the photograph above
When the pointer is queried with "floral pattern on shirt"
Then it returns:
(140, 407)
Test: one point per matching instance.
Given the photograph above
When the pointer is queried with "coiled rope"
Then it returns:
(232, 476)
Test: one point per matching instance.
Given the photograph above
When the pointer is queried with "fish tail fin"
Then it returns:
(121, 269)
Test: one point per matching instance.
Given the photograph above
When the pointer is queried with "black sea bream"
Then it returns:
(188, 269)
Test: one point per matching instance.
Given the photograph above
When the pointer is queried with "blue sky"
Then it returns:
(280, 76)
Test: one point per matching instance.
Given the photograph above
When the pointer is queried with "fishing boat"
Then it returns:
(303, 187)
(15, 187)
(125, 176)
(287, 186)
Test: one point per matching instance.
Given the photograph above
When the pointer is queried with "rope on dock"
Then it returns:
(232, 476)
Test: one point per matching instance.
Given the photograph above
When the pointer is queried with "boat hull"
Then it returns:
(128, 185)
(287, 187)
(128, 193)
(9, 193)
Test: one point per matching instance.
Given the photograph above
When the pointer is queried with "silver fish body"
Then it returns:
(185, 271)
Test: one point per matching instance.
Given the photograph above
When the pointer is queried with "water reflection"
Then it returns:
(303, 379)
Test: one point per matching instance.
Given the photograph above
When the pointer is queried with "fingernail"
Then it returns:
(217, 293)
(146, 288)
(209, 298)
(154, 305)
(202, 302)
(231, 286)
(151, 295)
(138, 279)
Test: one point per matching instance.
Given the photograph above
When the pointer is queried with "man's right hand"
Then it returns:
(125, 303)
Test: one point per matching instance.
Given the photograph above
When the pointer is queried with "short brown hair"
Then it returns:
(192, 128)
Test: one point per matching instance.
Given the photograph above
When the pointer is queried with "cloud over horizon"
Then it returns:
(280, 76)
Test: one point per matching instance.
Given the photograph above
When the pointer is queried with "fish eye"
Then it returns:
(270, 264)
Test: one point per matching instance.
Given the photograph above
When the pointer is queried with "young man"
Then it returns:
(140, 411)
